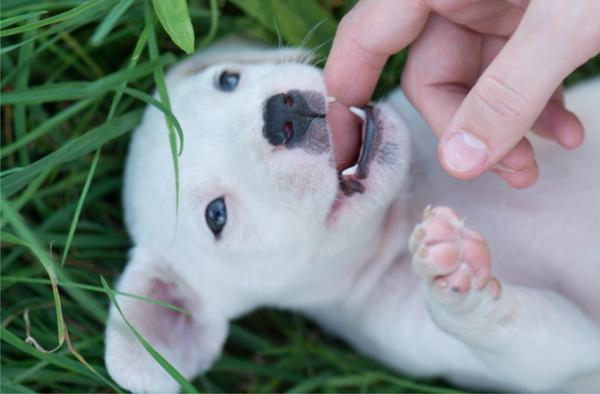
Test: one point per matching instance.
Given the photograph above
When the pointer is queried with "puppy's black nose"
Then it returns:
(287, 117)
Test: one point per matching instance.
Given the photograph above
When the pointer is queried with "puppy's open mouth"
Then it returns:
(350, 178)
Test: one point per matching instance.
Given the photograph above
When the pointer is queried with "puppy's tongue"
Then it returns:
(346, 135)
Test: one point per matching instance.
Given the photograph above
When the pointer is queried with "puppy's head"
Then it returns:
(262, 212)
(257, 169)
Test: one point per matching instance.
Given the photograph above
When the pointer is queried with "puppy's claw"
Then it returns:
(422, 251)
(419, 233)
(428, 212)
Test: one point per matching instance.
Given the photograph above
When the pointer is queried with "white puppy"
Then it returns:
(265, 220)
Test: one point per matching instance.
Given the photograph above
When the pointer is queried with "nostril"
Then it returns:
(288, 130)
(288, 100)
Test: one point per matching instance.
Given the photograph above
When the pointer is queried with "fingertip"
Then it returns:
(571, 133)
(520, 157)
(518, 167)
(345, 135)
(561, 125)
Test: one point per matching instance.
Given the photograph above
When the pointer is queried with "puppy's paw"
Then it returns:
(453, 260)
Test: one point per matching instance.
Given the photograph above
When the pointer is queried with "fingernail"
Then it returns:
(464, 152)
(503, 168)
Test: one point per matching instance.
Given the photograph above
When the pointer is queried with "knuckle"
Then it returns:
(345, 23)
(502, 99)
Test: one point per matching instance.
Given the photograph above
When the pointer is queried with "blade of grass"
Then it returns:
(46, 126)
(164, 98)
(63, 335)
(82, 54)
(20, 123)
(8, 386)
(27, 237)
(109, 22)
(84, 191)
(311, 384)
(67, 15)
(61, 361)
(31, 189)
(26, 62)
(73, 149)
(96, 289)
(214, 24)
(4, 23)
(80, 89)
(175, 19)
(115, 102)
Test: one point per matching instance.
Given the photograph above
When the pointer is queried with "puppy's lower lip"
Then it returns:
(368, 136)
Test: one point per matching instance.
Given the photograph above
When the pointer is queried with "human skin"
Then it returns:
(481, 72)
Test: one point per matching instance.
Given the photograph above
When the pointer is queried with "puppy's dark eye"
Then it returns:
(228, 81)
(216, 215)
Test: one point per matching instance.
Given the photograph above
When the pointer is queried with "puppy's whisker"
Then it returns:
(310, 54)
(310, 33)
(319, 61)
(278, 33)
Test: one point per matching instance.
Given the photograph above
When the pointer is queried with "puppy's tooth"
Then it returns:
(350, 170)
(330, 99)
(359, 112)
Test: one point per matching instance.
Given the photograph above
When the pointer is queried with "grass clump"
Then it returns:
(75, 77)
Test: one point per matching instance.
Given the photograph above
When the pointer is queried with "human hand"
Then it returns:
(481, 72)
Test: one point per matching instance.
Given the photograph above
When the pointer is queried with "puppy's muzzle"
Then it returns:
(287, 118)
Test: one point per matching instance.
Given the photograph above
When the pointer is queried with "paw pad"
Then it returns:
(451, 258)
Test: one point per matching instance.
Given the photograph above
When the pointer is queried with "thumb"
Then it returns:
(507, 99)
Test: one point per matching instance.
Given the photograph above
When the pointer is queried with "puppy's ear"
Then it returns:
(236, 50)
(189, 342)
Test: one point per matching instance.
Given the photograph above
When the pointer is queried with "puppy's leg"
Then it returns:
(534, 339)
(189, 342)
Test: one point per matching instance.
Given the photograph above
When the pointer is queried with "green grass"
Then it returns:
(75, 78)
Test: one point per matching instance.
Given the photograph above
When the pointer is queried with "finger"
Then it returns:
(555, 122)
(346, 135)
(499, 18)
(518, 168)
(443, 63)
(506, 100)
(366, 37)
(436, 80)
(559, 124)
(520, 158)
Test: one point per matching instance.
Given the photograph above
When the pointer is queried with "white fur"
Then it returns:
(351, 271)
